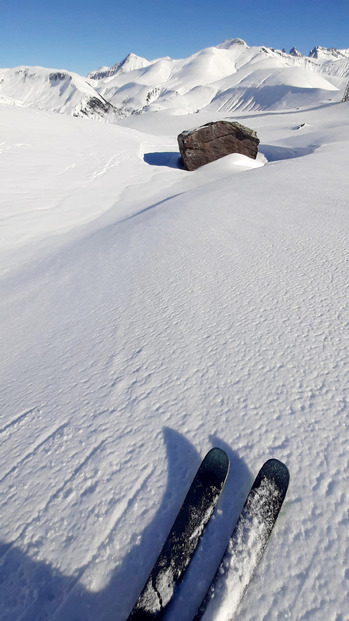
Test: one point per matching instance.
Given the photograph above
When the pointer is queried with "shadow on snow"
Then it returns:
(171, 159)
(36, 591)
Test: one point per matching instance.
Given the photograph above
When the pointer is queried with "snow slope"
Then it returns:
(147, 314)
(58, 91)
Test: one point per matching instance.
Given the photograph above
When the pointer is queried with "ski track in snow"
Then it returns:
(179, 308)
(106, 538)
(19, 418)
(41, 510)
(41, 440)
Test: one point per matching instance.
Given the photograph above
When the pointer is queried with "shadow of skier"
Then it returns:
(35, 591)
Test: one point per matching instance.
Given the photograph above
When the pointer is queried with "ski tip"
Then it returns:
(277, 471)
(218, 456)
(216, 461)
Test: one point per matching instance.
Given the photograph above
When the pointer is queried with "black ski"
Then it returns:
(183, 537)
(247, 543)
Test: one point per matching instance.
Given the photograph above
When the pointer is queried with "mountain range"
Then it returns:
(229, 77)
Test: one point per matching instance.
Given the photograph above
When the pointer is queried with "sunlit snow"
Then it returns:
(149, 313)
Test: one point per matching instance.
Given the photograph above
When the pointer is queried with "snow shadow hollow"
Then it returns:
(171, 159)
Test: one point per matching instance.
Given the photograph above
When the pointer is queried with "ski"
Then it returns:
(246, 544)
(183, 537)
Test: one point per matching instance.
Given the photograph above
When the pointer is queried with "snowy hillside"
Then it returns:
(59, 91)
(148, 313)
(227, 78)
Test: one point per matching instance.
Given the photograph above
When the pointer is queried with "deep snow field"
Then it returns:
(148, 314)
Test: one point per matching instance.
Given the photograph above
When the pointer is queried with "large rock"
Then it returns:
(214, 140)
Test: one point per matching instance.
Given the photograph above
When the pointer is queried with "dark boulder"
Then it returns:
(215, 140)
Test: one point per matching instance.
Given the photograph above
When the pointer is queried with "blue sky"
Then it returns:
(83, 35)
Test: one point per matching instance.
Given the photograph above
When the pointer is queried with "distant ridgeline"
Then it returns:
(231, 77)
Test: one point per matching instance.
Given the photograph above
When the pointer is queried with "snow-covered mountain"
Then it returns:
(58, 91)
(130, 63)
(229, 77)
(331, 53)
(294, 52)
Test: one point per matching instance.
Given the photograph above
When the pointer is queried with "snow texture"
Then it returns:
(148, 313)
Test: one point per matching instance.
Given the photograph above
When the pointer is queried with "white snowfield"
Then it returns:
(147, 314)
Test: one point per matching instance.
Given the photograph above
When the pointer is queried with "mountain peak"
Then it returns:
(328, 53)
(229, 43)
(294, 52)
(130, 63)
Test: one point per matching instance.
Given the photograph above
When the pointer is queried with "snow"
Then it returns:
(149, 313)
(130, 63)
(325, 53)
(229, 77)
(63, 92)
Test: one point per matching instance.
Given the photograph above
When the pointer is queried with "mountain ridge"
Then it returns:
(129, 63)
(54, 90)
(316, 52)
(229, 77)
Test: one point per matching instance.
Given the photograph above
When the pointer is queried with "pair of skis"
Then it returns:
(245, 546)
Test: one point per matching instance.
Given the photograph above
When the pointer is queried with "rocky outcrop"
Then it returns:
(215, 140)
(328, 53)
(294, 52)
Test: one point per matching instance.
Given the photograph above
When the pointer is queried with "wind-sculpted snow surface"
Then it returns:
(148, 313)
